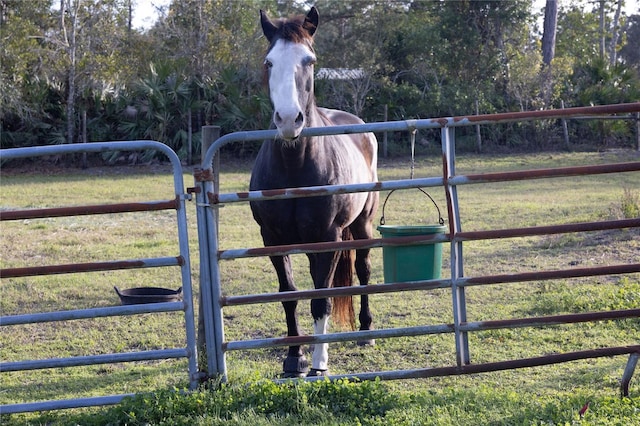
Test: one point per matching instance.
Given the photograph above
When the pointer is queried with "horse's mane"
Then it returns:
(294, 29)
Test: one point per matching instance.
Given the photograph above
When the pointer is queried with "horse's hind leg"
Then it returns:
(363, 270)
(361, 229)
(295, 364)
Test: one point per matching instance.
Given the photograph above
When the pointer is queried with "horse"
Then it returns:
(291, 161)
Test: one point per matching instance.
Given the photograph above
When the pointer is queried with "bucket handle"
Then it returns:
(440, 219)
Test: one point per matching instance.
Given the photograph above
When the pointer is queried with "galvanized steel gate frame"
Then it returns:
(209, 199)
(182, 260)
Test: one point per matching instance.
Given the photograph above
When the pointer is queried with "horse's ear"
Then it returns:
(268, 29)
(311, 21)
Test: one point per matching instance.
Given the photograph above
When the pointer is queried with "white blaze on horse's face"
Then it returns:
(290, 67)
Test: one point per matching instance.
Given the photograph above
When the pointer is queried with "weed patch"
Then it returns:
(566, 298)
(349, 403)
(628, 206)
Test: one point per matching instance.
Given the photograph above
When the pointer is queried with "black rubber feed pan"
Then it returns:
(139, 295)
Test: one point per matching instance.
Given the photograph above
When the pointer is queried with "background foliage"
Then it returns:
(76, 70)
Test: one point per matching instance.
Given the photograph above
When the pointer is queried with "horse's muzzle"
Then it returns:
(289, 126)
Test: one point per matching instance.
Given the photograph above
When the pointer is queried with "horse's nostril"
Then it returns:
(299, 118)
(278, 119)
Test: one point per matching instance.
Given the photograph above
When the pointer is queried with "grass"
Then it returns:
(342, 402)
(549, 395)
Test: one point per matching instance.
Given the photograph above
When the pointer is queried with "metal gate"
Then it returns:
(209, 199)
(181, 260)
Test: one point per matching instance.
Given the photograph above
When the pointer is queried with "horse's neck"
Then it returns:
(293, 155)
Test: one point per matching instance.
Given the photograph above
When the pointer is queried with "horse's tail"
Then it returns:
(343, 312)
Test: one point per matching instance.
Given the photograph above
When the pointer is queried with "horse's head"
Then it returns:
(289, 67)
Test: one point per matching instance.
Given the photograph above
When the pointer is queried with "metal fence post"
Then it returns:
(457, 272)
(210, 326)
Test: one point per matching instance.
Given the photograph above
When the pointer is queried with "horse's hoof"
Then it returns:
(366, 342)
(295, 366)
(317, 373)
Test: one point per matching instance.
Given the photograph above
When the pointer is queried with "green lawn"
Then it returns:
(541, 395)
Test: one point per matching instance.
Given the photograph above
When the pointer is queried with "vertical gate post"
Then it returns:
(447, 135)
(210, 333)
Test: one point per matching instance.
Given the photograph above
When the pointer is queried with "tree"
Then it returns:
(577, 34)
(88, 52)
(472, 50)
(63, 58)
(25, 99)
(548, 48)
(615, 35)
(549, 34)
(629, 53)
(69, 30)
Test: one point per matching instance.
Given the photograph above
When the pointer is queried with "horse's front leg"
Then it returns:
(322, 267)
(295, 364)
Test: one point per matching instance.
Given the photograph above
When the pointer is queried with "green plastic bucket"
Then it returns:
(414, 262)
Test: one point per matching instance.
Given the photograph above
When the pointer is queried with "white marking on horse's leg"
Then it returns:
(320, 358)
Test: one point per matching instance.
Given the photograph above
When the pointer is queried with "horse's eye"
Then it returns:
(267, 64)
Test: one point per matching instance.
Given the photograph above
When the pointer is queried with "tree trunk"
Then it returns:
(71, 110)
(615, 34)
(602, 31)
(548, 48)
(70, 47)
(549, 31)
(130, 17)
(189, 137)
(85, 138)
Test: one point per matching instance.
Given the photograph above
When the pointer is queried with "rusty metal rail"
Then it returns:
(89, 210)
(71, 268)
(633, 351)
(545, 173)
(314, 191)
(421, 239)
(429, 284)
(433, 329)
